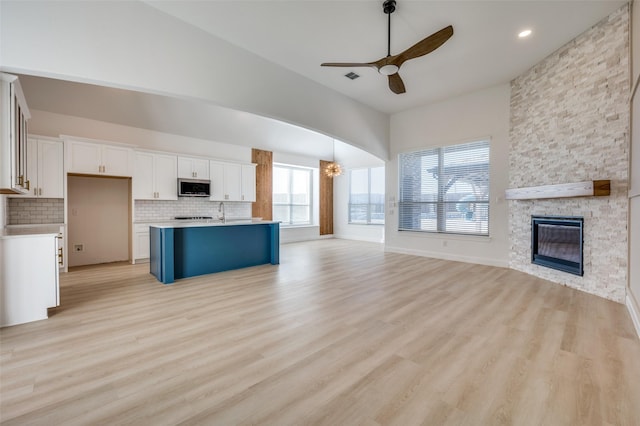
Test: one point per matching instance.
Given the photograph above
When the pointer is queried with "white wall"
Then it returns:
(49, 124)
(131, 45)
(98, 218)
(463, 119)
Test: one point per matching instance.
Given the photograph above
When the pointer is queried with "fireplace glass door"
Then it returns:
(556, 242)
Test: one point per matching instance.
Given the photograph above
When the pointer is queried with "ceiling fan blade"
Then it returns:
(348, 64)
(424, 46)
(396, 84)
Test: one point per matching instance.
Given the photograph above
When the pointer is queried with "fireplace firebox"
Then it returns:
(556, 242)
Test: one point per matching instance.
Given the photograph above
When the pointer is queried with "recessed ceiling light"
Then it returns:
(525, 33)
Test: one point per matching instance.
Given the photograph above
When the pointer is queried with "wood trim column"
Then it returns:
(326, 200)
(263, 206)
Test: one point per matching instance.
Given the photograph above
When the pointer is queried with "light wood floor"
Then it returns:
(340, 333)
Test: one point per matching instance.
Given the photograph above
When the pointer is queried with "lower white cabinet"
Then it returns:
(141, 242)
(29, 277)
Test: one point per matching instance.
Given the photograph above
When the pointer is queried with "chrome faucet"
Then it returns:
(221, 209)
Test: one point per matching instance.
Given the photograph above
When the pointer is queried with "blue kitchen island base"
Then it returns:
(187, 251)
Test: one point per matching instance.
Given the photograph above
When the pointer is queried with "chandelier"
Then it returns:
(333, 169)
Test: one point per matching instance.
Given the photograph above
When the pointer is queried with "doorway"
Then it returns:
(98, 219)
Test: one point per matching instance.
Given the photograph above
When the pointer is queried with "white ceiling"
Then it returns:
(299, 35)
(484, 50)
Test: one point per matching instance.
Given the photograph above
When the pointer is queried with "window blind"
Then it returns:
(445, 189)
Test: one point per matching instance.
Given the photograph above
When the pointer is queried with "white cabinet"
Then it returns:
(29, 279)
(98, 159)
(233, 181)
(62, 249)
(45, 168)
(13, 136)
(141, 248)
(193, 168)
(249, 182)
(155, 176)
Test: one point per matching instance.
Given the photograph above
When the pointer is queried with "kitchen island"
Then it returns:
(182, 250)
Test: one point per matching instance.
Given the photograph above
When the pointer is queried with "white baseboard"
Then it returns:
(448, 256)
(634, 312)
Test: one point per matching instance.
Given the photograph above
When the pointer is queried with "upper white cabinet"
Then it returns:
(216, 170)
(249, 182)
(193, 168)
(13, 136)
(233, 181)
(155, 176)
(45, 168)
(98, 159)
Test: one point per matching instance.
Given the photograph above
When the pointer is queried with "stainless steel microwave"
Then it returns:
(194, 188)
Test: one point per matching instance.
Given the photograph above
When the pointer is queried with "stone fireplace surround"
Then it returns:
(570, 123)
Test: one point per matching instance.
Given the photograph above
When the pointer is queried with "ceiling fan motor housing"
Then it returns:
(389, 6)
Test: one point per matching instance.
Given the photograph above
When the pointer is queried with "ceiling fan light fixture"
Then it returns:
(388, 69)
(525, 33)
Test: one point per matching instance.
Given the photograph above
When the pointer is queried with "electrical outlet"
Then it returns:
(78, 247)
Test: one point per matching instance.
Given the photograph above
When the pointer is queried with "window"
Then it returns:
(292, 195)
(366, 196)
(445, 189)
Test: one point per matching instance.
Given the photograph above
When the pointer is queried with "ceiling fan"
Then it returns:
(390, 65)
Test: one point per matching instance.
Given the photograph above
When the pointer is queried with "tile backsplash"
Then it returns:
(25, 211)
(151, 210)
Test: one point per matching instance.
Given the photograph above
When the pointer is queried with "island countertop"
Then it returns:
(206, 222)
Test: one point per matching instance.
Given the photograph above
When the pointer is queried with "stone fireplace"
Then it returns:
(570, 123)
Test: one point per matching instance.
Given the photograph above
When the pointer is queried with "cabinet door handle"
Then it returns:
(39, 191)
(28, 185)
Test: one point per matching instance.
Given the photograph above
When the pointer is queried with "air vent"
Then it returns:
(352, 75)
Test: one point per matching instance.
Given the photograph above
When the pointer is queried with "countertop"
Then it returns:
(210, 222)
(30, 230)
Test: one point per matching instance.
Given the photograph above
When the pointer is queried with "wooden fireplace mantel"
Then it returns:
(592, 188)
